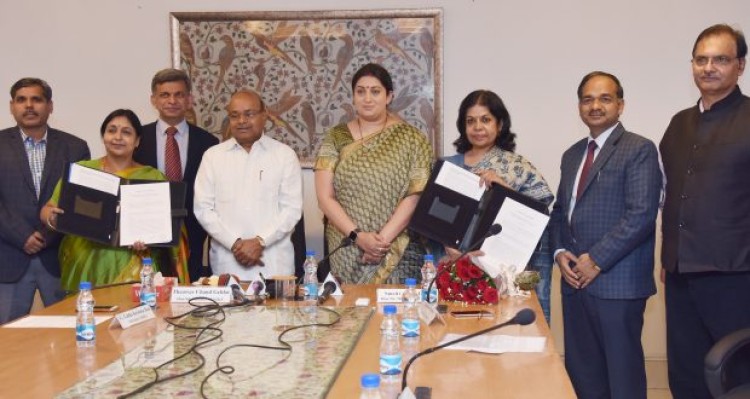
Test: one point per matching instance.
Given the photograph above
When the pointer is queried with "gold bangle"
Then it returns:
(49, 223)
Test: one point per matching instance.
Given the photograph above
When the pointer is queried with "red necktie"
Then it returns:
(586, 168)
(172, 164)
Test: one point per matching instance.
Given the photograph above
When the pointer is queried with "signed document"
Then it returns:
(145, 213)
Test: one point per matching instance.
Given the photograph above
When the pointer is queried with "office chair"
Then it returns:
(727, 366)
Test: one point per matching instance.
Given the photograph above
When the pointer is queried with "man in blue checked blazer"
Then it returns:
(602, 227)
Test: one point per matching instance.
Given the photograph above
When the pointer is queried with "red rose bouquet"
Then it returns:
(466, 282)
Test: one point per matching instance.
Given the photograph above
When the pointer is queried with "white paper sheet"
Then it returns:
(459, 180)
(497, 343)
(145, 213)
(513, 247)
(51, 322)
(95, 179)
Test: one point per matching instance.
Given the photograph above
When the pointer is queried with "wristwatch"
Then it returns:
(353, 235)
(261, 241)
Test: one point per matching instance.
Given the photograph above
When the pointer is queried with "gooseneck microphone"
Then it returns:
(345, 242)
(328, 288)
(523, 317)
(495, 229)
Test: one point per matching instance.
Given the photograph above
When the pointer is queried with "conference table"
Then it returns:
(43, 362)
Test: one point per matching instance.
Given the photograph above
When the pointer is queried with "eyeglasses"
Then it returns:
(246, 114)
(720, 60)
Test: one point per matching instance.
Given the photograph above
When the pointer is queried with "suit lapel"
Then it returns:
(193, 154)
(20, 151)
(149, 145)
(604, 154)
(570, 171)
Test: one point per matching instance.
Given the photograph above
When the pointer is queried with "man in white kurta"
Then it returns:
(248, 196)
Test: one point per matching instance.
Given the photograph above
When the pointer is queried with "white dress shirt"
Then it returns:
(161, 141)
(241, 194)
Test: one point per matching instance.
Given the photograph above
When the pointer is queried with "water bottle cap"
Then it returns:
(84, 285)
(309, 253)
(389, 309)
(370, 380)
(146, 261)
(411, 282)
(429, 257)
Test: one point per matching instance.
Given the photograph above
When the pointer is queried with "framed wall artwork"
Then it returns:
(302, 64)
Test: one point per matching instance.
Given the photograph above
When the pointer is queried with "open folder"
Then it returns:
(456, 211)
(108, 209)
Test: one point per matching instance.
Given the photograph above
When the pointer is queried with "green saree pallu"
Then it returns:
(85, 260)
(371, 177)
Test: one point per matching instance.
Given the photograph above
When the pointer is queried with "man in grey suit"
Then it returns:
(170, 95)
(32, 156)
(602, 227)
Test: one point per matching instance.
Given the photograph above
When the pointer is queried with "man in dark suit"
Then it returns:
(602, 227)
(706, 217)
(176, 147)
(32, 156)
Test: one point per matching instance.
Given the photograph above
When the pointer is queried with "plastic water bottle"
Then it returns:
(410, 318)
(148, 292)
(428, 274)
(370, 386)
(390, 351)
(311, 277)
(85, 325)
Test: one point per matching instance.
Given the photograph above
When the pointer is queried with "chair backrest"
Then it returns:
(727, 366)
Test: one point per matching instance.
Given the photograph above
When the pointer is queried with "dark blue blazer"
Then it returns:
(614, 220)
(19, 206)
(199, 141)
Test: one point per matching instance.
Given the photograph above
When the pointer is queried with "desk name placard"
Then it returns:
(132, 317)
(185, 294)
(390, 295)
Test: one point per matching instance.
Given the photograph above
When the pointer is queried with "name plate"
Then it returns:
(390, 295)
(133, 316)
(185, 294)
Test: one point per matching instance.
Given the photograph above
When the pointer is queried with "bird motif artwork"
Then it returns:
(303, 69)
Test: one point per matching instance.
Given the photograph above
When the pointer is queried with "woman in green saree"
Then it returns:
(85, 260)
(368, 176)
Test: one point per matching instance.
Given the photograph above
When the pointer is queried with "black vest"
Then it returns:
(706, 216)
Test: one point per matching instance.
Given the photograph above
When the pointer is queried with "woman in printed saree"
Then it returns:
(85, 260)
(368, 176)
(486, 146)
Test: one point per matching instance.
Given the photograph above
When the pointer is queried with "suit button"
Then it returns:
(695, 147)
(682, 225)
(690, 171)
(683, 196)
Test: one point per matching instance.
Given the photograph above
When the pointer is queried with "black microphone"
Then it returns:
(237, 294)
(328, 288)
(345, 242)
(493, 230)
(523, 317)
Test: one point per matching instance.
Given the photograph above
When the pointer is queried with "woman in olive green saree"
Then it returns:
(368, 177)
(85, 260)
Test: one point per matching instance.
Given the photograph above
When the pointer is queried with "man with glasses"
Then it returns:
(248, 195)
(603, 229)
(706, 217)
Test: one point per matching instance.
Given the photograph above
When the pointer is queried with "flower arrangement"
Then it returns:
(466, 282)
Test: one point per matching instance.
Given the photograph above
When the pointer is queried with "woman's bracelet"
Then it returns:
(49, 223)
